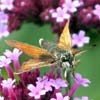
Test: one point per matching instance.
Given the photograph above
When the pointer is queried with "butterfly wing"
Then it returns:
(65, 38)
(33, 51)
(41, 57)
(31, 65)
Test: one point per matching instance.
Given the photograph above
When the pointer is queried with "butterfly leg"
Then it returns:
(76, 63)
(74, 67)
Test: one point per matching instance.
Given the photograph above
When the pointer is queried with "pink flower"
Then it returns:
(14, 56)
(71, 6)
(5, 62)
(58, 83)
(96, 11)
(6, 4)
(8, 86)
(79, 80)
(60, 14)
(59, 96)
(3, 17)
(1, 98)
(46, 83)
(3, 31)
(3, 25)
(80, 39)
(8, 83)
(83, 98)
(49, 83)
(37, 91)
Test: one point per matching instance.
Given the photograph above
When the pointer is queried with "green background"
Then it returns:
(89, 66)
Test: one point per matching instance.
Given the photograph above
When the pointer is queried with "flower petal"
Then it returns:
(77, 99)
(81, 33)
(31, 87)
(85, 98)
(59, 96)
(86, 39)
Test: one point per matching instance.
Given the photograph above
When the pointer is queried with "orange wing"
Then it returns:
(32, 64)
(65, 38)
(35, 52)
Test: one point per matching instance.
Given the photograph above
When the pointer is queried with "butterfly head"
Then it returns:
(66, 60)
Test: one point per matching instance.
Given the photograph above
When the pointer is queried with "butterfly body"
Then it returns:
(64, 58)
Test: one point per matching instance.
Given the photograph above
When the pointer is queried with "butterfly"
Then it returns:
(61, 54)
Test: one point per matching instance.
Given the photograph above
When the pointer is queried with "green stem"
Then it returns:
(68, 78)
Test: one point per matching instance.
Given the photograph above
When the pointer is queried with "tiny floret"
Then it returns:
(59, 96)
(80, 39)
(8, 83)
(82, 81)
(4, 61)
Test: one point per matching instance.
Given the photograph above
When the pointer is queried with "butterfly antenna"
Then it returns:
(40, 41)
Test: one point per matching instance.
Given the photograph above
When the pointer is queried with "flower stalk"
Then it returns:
(9, 71)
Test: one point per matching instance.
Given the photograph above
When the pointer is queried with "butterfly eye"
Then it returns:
(66, 57)
(63, 59)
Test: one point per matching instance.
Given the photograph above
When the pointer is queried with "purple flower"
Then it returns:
(8, 83)
(60, 14)
(58, 83)
(3, 17)
(82, 81)
(79, 80)
(46, 83)
(83, 98)
(6, 4)
(8, 86)
(59, 96)
(14, 56)
(4, 62)
(3, 25)
(80, 39)
(96, 11)
(71, 6)
(3, 31)
(37, 91)
(1, 98)
(49, 83)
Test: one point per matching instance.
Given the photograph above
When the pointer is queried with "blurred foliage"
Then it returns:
(90, 61)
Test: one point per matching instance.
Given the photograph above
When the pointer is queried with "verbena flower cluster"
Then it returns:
(32, 86)
(82, 13)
